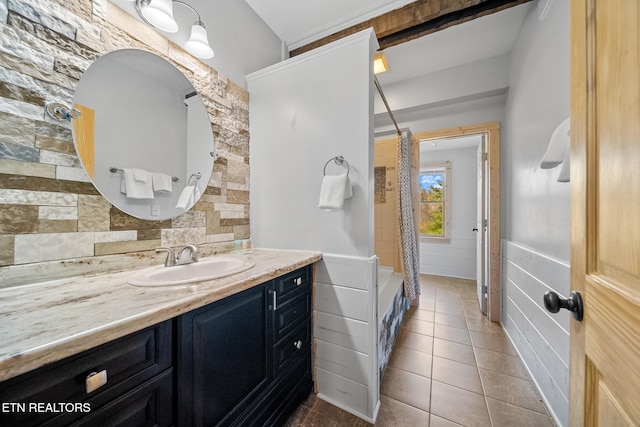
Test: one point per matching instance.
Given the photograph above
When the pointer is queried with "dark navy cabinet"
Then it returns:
(242, 361)
(246, 360)
(138, 370)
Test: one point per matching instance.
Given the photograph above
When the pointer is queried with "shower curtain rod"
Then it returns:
(386, 104)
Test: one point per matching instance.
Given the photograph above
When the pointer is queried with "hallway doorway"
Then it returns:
(438, 233)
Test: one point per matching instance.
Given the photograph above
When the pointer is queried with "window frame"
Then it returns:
(445, 168)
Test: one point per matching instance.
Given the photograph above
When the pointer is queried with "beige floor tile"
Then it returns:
(458, 405)
(512, 390)
(456, 374)
(420, 314)
(298, 417)
(450, 320)
(394, 413)
(419, 326)
(499, 343)
(449, 308)
(323, 411)
(426, 304)
(484, 326)
(504, 414)
(500, 362)
(454, 351)
(436, 421)
(415, 341)
(407, 387)
(411, 360)
(450, 333)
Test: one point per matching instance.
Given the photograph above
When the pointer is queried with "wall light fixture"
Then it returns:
(159, 14)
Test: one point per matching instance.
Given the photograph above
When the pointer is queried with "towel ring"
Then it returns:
(339, 160)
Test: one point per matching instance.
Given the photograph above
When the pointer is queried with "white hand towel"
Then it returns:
(140, 175)
(135, 189)
(189, 196)
(161, 182)
(335, 188)
(558, 145)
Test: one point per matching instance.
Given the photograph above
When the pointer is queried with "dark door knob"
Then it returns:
(553, 303)
(474, 229)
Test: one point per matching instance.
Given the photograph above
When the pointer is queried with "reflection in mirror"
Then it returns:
(144, 135)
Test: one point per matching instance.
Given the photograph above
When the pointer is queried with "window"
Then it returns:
(434, 200)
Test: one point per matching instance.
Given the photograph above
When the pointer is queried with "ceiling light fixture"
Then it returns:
(380, 63)
(159, 14)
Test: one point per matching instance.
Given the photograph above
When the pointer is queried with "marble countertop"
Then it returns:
(46, 322)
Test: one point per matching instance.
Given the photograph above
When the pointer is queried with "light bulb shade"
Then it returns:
(159, 13)
(198, 44)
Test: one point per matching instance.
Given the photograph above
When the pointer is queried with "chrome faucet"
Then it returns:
(187, 255)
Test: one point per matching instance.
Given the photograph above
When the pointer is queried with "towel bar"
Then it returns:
(339, 160)
(116, 170)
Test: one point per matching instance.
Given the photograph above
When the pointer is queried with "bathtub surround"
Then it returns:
(51, 216)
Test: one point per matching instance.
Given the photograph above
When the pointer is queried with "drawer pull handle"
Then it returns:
(95, 380)
(298, 281)
(298, 344)
(275, 300)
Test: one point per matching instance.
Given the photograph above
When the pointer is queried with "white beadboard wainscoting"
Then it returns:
(541, 338)
(346, 333)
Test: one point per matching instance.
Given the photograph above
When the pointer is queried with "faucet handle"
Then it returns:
(171, 257)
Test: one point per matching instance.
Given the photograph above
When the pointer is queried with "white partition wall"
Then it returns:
(303, 112)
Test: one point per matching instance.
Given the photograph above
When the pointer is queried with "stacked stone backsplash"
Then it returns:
(53, 222)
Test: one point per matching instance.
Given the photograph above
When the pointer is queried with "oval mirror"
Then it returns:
(144, 136)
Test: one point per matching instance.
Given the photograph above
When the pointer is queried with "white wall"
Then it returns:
(535, 206)
(464, 95)
(303, 112)
(300, 117)
(457, 257)
(241, 41)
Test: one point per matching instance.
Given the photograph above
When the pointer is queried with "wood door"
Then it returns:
(605, 218)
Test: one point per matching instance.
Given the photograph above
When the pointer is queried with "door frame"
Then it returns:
(492, 130)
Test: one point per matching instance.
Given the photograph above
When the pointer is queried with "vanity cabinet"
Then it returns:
(246, 360)
(138, 385)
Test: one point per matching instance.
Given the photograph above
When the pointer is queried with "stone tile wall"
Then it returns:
(53, 222)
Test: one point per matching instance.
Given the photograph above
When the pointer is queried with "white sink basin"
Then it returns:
(205, 269)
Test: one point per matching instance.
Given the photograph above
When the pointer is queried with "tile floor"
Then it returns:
(450, 367)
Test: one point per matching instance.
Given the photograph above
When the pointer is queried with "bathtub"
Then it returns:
(392, 305)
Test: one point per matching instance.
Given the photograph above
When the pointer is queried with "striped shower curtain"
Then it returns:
(408, 240)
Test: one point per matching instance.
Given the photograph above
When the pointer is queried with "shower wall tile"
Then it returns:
(14, 167)
(57, 212)
(115, 236)
(49, 210)
(72, 174)
(18, 219)
(57, 226)
(110, 248)
(6, 250)
(52, 246)
(26, 197)
(93, 213)
(182, 236)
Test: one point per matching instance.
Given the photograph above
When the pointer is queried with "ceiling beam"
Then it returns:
(417, 19)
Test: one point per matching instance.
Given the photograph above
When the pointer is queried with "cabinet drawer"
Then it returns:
(291, 348)
(291, 314)
(128, 362)
(150, 404)
(291, 284)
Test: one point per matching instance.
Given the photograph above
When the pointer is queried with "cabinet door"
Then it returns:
(224, 359)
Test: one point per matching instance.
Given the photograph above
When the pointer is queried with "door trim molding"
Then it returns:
(492, 129)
